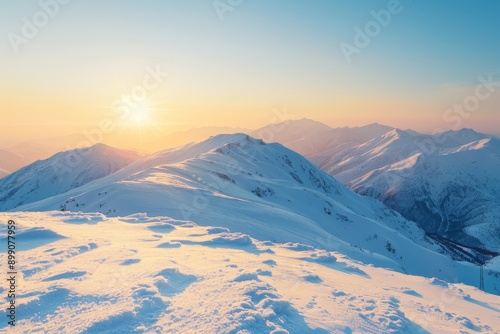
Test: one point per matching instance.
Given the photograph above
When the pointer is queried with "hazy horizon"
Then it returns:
(88, 136)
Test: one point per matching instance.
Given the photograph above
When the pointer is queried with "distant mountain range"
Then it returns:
(311, 138)
(448, 183)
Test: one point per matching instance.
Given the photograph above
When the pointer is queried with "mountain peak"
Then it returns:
(376, 127)
(398, 133)
(220, 140)
(458, 138)
(373, 130)
(462, 132)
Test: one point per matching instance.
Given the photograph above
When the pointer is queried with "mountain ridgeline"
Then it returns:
(448, 183)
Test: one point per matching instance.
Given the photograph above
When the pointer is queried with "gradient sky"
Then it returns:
(264, 55)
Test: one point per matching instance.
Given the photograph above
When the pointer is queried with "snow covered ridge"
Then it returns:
(448, 183)
(85, 272)
(60, 173)
(270, 193)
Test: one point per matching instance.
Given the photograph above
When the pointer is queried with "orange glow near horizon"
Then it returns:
(45, 116)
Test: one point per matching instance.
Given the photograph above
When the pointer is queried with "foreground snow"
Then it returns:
(90, 273)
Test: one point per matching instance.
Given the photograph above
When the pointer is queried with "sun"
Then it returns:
(140, 115)
(142, 123)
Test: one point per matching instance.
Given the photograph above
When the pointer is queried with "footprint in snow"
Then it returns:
(168, 244)
(130, 262)
(162, 228)
(313, 279)
(67, 275)
(270, 262)
(171, 281)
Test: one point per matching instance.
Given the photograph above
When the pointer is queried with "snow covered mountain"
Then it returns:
(268, 192)
(60, 173)
(448, 183)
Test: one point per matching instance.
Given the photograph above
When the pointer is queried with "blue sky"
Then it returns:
(263, 55)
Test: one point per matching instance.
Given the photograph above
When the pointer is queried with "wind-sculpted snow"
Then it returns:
(115, 277)
(32, 237)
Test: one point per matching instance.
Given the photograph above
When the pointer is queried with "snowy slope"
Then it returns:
(60, 173)
(87, 273)
(268, 192)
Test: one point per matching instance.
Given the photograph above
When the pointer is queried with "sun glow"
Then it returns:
(140, 115)
(139, 125)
